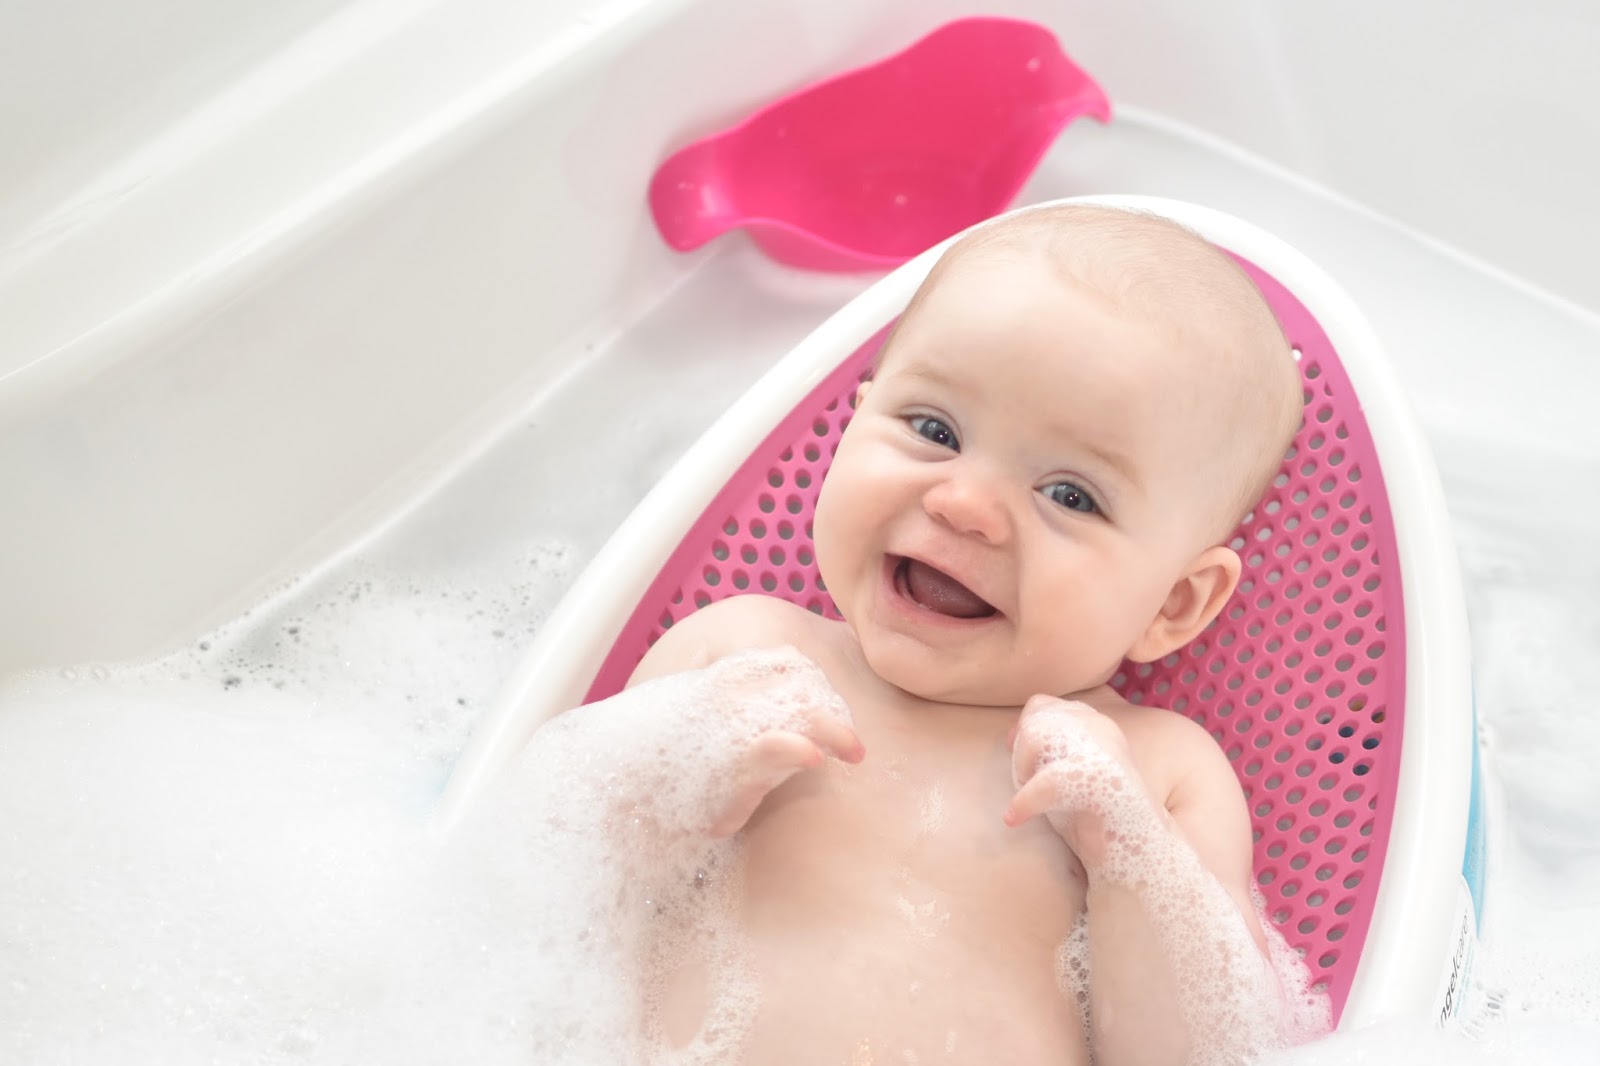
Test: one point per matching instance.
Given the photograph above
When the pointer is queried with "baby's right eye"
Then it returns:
(936, 430)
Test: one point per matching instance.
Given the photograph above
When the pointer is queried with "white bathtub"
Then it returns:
(389, 291)
(247, 340)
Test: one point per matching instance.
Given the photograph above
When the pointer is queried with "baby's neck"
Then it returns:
(1100, 697)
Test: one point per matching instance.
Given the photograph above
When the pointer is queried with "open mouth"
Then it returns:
(936, 591)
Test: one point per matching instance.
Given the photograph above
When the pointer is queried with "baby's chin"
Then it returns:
(964, 687)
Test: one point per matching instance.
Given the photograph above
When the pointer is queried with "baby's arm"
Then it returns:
(774, 743)
(623, 800)
(1177, 968)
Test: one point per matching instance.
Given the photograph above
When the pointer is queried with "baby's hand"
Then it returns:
(786, 718)
(1071, 764)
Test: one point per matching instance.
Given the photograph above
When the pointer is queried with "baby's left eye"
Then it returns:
(1071, 497)
(936, 430)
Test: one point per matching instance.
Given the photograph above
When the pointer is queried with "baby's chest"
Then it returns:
(876, 899)
(910, 843)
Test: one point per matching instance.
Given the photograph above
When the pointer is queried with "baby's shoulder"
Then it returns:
(1157, 724)
(1170, 748)
(753, 620)
(737, 623)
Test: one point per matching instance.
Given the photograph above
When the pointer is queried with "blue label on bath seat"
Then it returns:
(1472, 862)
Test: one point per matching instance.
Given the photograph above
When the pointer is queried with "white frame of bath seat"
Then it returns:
(1407, 953)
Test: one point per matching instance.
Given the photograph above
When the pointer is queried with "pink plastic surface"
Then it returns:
(1301, 680)
(869, 168)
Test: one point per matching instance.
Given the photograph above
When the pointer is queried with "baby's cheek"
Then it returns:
(1082, 647)
(829, 540)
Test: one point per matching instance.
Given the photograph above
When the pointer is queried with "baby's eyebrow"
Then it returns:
(932, 375)
(1120, 464)
(1113, 460)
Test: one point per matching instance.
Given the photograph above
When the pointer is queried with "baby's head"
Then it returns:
(1075, 410)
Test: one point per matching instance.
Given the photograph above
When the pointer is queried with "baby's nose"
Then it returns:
(970, 505)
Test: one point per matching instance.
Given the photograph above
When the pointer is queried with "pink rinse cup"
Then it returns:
(868, 168)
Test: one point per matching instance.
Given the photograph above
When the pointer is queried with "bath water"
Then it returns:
(223, 856)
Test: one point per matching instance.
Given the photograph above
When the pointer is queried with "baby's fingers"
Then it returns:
(835, 736)
(1045, 727)
(1040, 795)
(773, 759)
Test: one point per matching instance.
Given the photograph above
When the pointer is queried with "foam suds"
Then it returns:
(1072, 968)
(1423, 1044)
(224, 856)
(1235, 1003)
(626, 792)
(229, 860)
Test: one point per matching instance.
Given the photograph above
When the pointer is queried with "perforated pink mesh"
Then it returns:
(1301, 680)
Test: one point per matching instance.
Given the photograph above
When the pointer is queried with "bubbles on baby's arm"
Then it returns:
(767, 688)
(1072, 968)
(1307, 1012)
(661, 753)
(1236, 1002)
(615, 798)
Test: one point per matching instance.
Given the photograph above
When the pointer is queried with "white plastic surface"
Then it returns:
(240, 329)
(1468, 120)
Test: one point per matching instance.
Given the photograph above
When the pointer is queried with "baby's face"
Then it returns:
(1021, 485)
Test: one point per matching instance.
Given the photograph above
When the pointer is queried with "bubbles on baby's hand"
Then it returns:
(627, 789)
(1227, 990)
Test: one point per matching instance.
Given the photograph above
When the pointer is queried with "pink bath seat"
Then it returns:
(1336, 680)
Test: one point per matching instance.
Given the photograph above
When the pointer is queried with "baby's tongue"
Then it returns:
(940, 592)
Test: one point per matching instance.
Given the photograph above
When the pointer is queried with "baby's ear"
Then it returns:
(1194, 601)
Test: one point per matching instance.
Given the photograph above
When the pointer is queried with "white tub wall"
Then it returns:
(246, 355)
(1470, 119)
(237, 425)
(84, 82)
(1473, 121)
(1476, 121)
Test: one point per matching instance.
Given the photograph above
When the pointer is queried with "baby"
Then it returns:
(976, 850)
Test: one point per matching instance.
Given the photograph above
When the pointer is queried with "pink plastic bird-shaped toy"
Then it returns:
(866, 169)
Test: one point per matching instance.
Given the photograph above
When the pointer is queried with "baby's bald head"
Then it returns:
(1229, 357)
